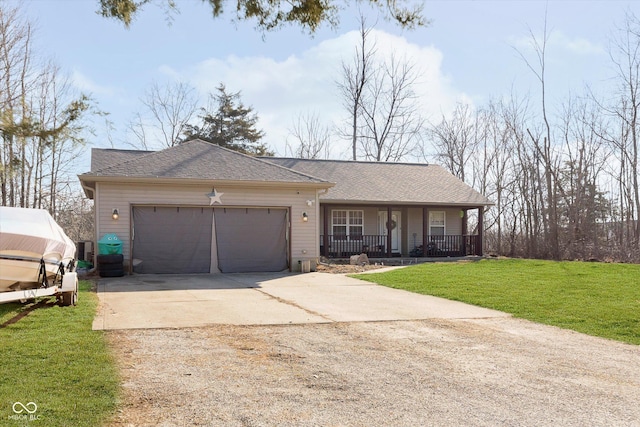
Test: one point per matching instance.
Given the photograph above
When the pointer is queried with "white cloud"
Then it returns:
(85, 84)
(577, 45)
(281, 90)
(557, 40)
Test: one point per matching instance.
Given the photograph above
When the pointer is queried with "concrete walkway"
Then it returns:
(178, 301)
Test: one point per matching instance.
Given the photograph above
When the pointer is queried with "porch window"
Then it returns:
(347, 225)
(437, 223)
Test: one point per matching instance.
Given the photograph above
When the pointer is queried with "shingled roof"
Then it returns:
(101, 158)
(378, 182)
(355, 181)
(194, 159)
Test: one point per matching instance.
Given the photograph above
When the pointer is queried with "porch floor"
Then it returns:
(396, 261)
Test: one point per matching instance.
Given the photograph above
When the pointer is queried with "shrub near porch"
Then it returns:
(593, 298)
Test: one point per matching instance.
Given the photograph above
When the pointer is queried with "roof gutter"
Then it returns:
(404, 203)
(87, 189)
(191, 181)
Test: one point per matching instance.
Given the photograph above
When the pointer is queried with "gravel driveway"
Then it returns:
(437, 372)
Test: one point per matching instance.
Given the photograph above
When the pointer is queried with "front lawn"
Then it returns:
(52, 358)
(594, 298)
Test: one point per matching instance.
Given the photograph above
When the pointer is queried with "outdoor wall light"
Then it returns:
(461, 214)
(305, 217)
(115, 214)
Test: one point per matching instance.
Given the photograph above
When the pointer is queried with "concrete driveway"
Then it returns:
(179, 301)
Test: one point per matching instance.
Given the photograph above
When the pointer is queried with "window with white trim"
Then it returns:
(347, 224)
(437, 223)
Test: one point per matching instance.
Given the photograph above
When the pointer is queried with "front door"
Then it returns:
(395, 228)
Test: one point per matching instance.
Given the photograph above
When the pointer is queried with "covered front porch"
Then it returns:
(412, 231)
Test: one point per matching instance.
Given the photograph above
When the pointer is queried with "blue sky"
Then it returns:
(467, 54)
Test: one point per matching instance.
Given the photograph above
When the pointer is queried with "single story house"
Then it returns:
(200, 208)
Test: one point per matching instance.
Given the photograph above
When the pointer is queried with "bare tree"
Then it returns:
(168, 110)
(15, 57)
(455, 139)
(510, 177)
(355, 78)
(392, 124)
(40, 120)
(312, 139)
(494, 168)
(383, 112)
(565, 185)
(582, 205)
(543, 143)
(139, 130)
(625, 111)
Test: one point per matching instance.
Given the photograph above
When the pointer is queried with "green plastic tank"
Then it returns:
(110, 244)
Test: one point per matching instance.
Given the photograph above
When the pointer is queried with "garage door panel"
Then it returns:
(172, 239)
(251, 240)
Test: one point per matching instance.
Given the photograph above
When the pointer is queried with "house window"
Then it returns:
(347, 225)
(437, 223)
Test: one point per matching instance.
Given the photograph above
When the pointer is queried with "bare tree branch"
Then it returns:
(312, 138)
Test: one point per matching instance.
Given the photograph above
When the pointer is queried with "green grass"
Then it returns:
(593, 298)
(52, 357)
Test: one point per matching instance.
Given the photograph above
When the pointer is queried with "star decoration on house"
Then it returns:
(214, 197)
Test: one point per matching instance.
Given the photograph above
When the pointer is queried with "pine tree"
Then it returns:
(231, 125)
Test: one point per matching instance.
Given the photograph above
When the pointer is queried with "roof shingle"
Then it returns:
(379, 182)
(355, 181)
(101, 158)
(194, 159)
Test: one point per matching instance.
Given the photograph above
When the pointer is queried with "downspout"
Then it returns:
(389, 237)
(480, 231)
(93, 192)
(89, 189)
(465, 231)
(425, 230)
(325, 237)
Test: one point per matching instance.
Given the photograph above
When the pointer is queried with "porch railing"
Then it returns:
(375, 246)
(451, 245)
(344, 246)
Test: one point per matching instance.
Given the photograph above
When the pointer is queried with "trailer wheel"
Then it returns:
(71, 297)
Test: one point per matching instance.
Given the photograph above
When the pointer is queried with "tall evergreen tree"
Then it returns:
(231, 125)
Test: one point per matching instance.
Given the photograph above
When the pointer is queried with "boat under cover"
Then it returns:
(34, 249)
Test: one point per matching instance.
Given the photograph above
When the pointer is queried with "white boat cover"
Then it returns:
(33, 233)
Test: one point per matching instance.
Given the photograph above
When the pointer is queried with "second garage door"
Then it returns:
(251, 240)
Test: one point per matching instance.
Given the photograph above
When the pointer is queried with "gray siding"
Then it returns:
(414, 226)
